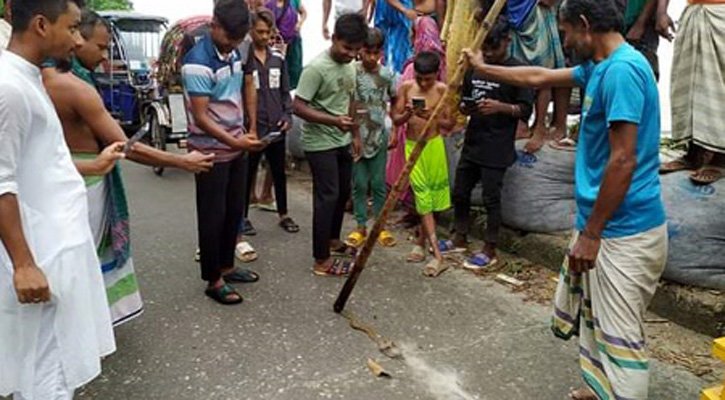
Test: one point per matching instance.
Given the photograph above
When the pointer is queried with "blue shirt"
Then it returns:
(621, 88)
(206, 73)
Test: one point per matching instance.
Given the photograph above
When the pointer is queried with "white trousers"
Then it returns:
(49, 382)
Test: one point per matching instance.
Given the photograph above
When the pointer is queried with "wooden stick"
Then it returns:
(402, 181)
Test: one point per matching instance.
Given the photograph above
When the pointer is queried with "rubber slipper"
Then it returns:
(713, 174)
(417, 255)
(289, 225)
(386, 239)
(480, 262)
(337, 268)
(434, 268)
(248, 229)
(447, 247)
(268, 207)
(222, 295)
(566, 144)
(680, 164)
(240, 275)
(355, 239)
(245, 252)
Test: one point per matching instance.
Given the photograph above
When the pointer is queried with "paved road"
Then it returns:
(465, 337)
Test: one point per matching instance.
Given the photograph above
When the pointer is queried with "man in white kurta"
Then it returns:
(46, 349)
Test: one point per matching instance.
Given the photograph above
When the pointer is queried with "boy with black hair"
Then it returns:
(414, 105)
(375, 90)
(324, 101)
(489, 148)
(274, 114)
(214, 78)
(55, 325)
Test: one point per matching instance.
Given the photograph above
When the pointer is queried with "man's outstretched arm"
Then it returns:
(534, 77)
(89, 106)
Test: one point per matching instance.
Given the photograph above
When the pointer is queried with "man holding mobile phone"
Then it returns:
(214, 76)
(87, 126)
(274, 115)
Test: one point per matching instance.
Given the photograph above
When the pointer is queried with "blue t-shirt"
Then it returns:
(621, 88)
(206, 73)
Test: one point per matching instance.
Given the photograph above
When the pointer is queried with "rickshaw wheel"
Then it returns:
(158, 138)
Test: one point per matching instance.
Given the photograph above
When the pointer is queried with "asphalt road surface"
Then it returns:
(463, 337)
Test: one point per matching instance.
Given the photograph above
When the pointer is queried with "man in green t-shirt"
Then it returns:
(323, 100)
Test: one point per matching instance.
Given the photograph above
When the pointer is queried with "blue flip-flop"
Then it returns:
(480, 262)
(447, 247)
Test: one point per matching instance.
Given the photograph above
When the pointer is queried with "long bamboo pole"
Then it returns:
(402, 181)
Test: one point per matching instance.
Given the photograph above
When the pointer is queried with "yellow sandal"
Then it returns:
(386, 239)
(356, 239)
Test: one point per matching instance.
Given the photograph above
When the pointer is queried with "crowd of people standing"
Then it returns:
(67, 268)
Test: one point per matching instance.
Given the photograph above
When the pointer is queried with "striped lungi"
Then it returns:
(537, 42)
(605, 307)
(698, 77)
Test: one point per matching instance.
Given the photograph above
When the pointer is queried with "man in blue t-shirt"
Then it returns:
(619, 248)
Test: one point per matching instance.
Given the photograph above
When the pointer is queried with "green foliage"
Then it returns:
(97, 5)
(101, 5)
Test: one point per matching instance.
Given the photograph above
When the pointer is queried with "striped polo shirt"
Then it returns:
(206, 73)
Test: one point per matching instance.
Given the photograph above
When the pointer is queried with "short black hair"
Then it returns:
(603, 15)
(427, 62)
(233, 16)
(352, 28)
(500, 31)
(24, 11)
(375, 39)
(263, 15)
(89, 21)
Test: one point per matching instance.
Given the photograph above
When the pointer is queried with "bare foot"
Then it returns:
(322, 266)
(536, 142)
(557, 132)
(523, 131)
(582, 394)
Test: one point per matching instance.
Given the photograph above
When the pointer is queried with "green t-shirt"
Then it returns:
(632, 12)
(327, 86)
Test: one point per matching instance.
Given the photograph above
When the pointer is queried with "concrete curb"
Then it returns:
(698, 309)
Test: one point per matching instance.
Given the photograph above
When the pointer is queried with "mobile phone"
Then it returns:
(419, 103)
(134, 139)
(271, 137)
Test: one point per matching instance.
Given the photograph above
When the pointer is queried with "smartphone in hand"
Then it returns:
(134, 139)
(271, 137)
(419, 103)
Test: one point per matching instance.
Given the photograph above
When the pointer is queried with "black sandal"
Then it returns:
(289, 225)
(240, 275)
(222, 295)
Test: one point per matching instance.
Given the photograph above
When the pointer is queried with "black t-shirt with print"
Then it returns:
(490, 140)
